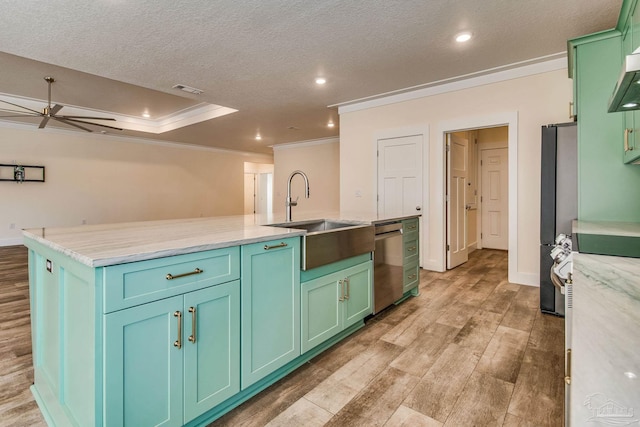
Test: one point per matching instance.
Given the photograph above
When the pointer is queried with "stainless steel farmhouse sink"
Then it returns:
(329, 241)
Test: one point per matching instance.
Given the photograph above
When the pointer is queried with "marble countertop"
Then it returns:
(605, 339)
(110, 244)
(631, 229)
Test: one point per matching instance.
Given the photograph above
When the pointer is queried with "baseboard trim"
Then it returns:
(529, 279)
(14, 241)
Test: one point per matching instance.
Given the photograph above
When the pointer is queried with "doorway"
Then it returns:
(258, 188)
(477, 192)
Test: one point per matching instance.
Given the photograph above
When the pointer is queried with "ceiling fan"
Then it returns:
(50, 112)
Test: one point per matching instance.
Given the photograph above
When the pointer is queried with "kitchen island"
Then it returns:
(173, 322)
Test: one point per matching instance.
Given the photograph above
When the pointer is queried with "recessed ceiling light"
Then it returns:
(146, 115)
(630, 105)
(463, 37)
(330, 124)
(258, 137)
(321, 80)
(630, 375)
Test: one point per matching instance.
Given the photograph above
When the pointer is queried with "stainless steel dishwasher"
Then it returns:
(388, 259)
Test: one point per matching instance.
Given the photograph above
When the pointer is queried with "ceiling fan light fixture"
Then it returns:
(188, 89)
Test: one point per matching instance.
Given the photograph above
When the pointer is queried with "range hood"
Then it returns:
(626, 95)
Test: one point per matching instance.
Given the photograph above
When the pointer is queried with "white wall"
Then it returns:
(105, 179)
(320, 161)
(530, 101)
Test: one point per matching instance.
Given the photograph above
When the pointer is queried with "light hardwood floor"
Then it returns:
(471, 350)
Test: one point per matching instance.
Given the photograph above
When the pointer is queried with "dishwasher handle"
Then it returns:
(388, 227)
(383, 236)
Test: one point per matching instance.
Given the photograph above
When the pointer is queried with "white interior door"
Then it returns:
(458, 176)
(264, 193)
(400, 176)
(495, 198)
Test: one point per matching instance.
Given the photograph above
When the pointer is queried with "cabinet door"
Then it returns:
(631, 136)
(321, 309)
(211, 347)
(143, 368)
(358, 295)
(270, 300)
(634, 26)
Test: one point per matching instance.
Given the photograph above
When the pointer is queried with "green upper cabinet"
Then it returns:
(608, 190)
(634, 23)
(270, 307)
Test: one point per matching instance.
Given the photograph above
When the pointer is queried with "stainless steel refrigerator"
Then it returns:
(558, 203)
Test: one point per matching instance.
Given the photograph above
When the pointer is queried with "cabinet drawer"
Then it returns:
(411, 277)
(127, 285)
(410, 225)
(411, 250)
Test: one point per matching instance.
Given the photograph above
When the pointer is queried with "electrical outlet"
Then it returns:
(12, 226)
(84, 222)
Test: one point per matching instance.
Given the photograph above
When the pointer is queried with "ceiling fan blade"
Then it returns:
(55, 109)
(4, 110)
(87, 123)
(88, 118)
(20, 106)
(69, 122)
(21, 115)
(43, 123)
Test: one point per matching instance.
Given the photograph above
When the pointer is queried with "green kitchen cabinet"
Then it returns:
(333, 302)
(411, 255)
(103, 338)
(630, 37)
(168, 361)
(607, 187)
(270, 326)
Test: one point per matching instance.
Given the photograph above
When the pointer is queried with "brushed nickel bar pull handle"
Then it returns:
(341, 283)
(411, 276)
(192, 337)
(411, 249)
(627, 131)
(170, 276)
(411, 227)
(347, 281)
(281, 245)
(178, 342)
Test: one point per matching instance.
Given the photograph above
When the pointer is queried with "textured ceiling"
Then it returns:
(261, 57)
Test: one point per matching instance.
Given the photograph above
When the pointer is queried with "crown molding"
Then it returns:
(516, 70)
(307, 143)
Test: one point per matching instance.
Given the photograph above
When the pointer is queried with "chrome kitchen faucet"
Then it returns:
(290, 202)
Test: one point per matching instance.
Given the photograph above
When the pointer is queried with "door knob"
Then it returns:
(418, 208)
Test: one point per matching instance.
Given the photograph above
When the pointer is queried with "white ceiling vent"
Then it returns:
(188, 89)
